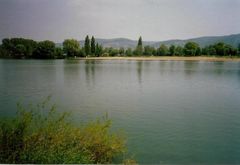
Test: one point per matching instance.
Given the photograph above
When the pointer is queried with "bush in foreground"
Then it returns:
(41, 135)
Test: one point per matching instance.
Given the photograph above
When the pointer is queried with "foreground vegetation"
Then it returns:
(30, 49)
(41, 135)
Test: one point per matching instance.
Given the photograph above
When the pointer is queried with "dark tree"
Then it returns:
(3, 53)
(19, 47)
(87, 47)
(20, 51)
(93, 46)
(59, 53)
(45, 50)
(239, 49)
(139, 48)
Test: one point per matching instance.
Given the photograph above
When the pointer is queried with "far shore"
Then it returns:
(166, 58)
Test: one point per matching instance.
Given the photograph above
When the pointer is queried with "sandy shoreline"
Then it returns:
(166, 58)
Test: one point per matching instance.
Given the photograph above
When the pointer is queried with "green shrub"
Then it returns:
(41, 135)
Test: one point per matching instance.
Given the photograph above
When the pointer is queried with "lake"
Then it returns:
(172, 111)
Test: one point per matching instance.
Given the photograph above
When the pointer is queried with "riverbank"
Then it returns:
(158, 58)
(166, 58)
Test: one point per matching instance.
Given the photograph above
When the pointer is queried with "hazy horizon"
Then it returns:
(154, 20)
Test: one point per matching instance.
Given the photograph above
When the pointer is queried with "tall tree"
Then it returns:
(93, 46)
(140, 41)
(139, 48)
(87, 47)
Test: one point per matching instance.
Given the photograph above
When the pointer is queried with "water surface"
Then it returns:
(172, 111)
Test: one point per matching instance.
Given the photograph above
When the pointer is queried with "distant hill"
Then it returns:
(233, 40)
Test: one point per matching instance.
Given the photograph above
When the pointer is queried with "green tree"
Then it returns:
(121, 51)
(179, 51)
(148, 51)
(59, 53)
(6, 43)
(172, 50)
(99, 50)
(220, 48)
(71, 47)
(81, 53)
(3, 53)
(12, 47)
(199, 51)
(87, 47)
(162, 50)
(113, 52)
(209, 50)
(239, 49)
(191, 49)
(45, 50)
(230, 50)
(20, 51)
(93, 46)
(139, 48)
(129, 52)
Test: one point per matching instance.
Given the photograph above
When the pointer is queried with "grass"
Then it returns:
(39, 134)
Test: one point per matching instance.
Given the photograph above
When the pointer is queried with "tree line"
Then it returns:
(30, 49)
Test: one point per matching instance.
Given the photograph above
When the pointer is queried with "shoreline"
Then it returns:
(166, 58)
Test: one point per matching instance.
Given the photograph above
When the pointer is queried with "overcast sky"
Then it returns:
(152, 19)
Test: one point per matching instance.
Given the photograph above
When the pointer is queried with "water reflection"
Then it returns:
(238, 72)
(190, 67)
(219, 66)
(71, 69)
(162, 65)
(90, 72)
(139, 71)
